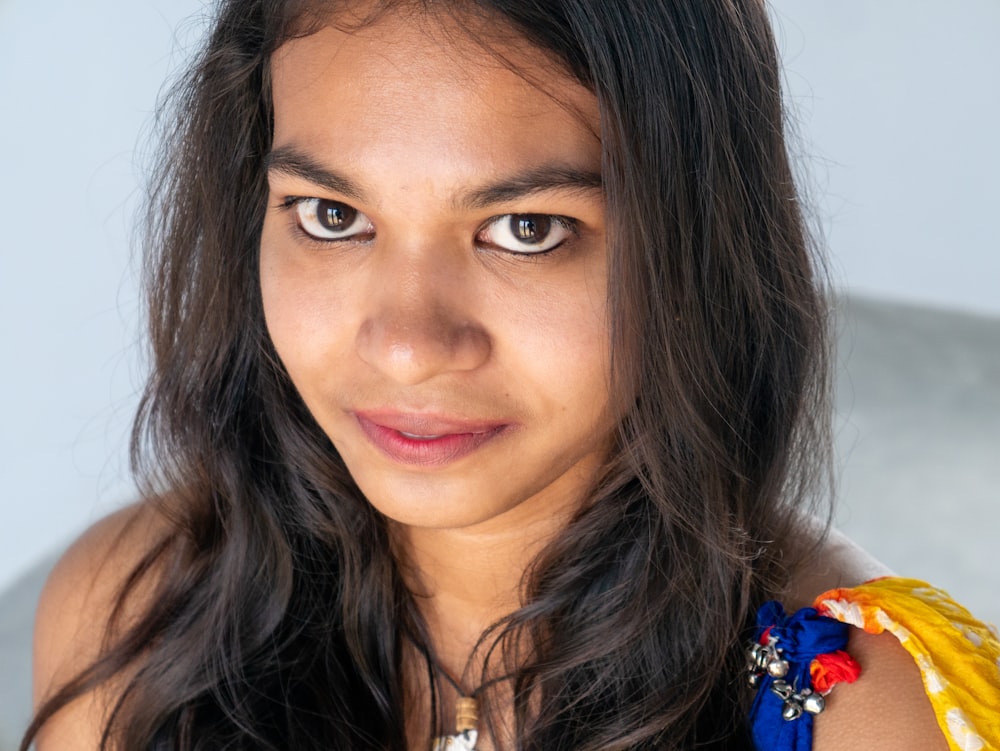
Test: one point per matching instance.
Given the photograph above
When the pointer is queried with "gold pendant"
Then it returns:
(466, 719)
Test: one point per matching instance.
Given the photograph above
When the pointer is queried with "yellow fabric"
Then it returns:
(958, 655)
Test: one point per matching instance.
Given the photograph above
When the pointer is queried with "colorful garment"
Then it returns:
(798, 658)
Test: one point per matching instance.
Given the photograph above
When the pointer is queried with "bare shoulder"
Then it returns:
(73, 614)
(837, 562)
(887, 707)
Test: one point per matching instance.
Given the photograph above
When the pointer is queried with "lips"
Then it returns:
(426, 440)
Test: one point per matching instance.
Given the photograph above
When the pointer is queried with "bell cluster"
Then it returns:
(766, 660)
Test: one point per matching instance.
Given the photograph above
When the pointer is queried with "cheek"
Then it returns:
(563, 342)
(300, 307)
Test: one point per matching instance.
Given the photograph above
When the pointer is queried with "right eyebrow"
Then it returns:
(290, 161)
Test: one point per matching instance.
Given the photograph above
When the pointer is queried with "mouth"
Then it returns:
(426, 440)
(415, 437)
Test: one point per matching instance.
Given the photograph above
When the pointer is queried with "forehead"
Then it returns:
(414, 83)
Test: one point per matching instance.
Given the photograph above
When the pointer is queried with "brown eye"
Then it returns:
(335, 216)
(526, 233)
(323, 219)
(531, 229)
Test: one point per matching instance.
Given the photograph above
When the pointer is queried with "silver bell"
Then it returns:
(814, 703)
(791, 710)
(777, 668)
(782, 689)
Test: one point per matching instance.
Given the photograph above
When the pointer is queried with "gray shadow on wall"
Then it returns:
(918, 443)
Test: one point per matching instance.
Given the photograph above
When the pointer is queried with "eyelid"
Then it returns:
(360, 228)
(567, 229)
(357, 226)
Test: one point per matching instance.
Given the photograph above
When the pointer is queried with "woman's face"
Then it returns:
(434, 270)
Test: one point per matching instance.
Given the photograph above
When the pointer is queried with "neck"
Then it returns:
(465, 580)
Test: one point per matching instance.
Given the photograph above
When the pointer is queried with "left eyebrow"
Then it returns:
(529, 182)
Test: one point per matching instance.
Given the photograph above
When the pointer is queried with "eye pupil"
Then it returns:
(333, 215)
(530, 228)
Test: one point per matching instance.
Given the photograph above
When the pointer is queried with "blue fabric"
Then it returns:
(801, 636)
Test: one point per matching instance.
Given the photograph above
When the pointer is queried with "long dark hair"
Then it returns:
(279, 612)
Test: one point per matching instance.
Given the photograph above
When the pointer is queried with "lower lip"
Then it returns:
(429, 452)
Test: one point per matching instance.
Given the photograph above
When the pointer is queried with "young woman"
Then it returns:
(487, 406)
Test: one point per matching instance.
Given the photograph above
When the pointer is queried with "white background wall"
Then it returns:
(897, 102)
(78, 83)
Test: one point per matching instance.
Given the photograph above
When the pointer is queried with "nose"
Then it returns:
(420, 319)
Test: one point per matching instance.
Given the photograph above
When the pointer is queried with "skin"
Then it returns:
(423, 314)
(426, 312)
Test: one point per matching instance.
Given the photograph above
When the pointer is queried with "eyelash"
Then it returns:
(568, 224)
(291, 203)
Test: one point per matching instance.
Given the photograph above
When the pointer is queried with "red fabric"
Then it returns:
(827, 670)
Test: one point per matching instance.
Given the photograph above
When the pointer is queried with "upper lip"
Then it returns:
(427, 424)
